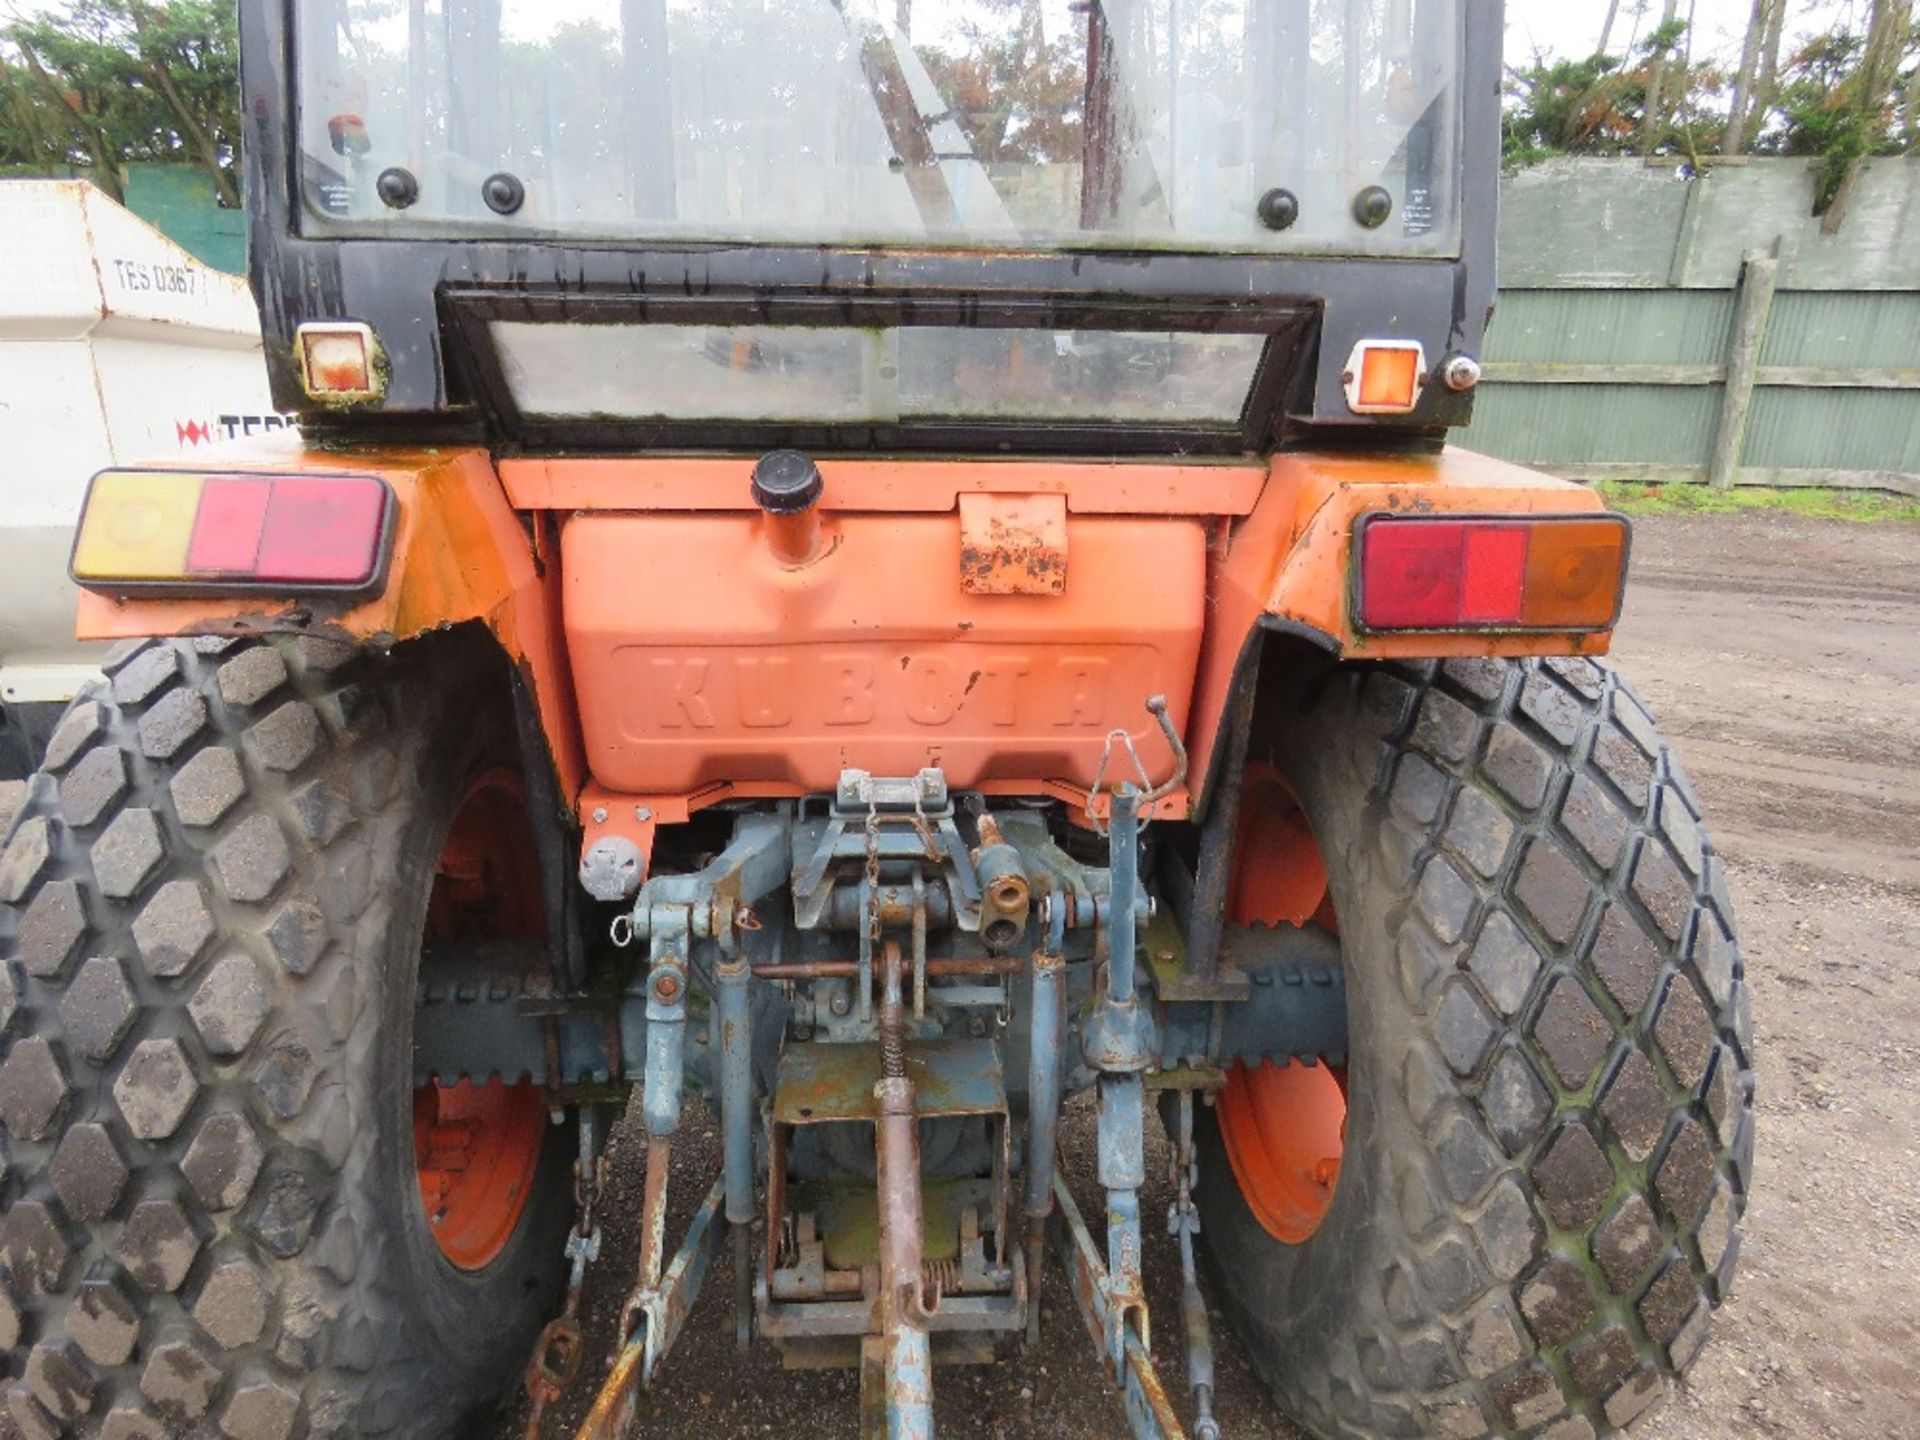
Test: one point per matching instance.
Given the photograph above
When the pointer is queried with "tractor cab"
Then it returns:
(1140, 228)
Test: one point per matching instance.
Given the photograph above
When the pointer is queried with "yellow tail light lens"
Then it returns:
(137, 525)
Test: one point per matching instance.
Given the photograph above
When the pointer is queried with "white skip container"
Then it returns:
(116, 346)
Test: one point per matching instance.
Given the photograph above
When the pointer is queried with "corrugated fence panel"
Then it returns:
(1613, 333)
(1594, 327)
(1826, 429)
(1595, 424)
(1869, 328)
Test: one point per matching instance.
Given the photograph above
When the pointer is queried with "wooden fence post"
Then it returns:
(1751, 304)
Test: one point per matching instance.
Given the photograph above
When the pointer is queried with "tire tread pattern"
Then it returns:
(1578, 1073)
(177, 1005)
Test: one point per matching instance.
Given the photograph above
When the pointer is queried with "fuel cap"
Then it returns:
(785, 482)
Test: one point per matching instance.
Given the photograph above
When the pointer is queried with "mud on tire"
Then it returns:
(210, 915)
(1549, 1128)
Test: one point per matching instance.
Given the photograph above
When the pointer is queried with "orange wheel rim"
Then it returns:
(1278, 875)
(476, 1148)
(1283, 1126)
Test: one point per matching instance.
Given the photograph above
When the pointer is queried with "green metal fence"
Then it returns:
(1664, 328)
(179, 201)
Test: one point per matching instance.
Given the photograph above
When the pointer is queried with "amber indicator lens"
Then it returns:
(1491, 573)
(1387, 378)
(192, 533)
(1383, 377)
(337, 360)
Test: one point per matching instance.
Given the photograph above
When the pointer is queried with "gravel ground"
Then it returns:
(1779, 653)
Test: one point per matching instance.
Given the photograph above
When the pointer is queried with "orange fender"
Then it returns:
(1290, 559)
(459, 554)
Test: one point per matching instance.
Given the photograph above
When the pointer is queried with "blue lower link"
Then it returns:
(909, 1384)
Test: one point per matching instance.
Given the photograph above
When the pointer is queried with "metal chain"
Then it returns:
(558, 1353)
(1183, 1222)
(873, 876)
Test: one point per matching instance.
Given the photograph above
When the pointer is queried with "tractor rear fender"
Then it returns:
(1287, 565)
(479, 542)
(460, 554)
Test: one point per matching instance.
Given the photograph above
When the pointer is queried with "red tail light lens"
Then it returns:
(225, 539)
(185, 533)
(1550, 572)
(322, 532)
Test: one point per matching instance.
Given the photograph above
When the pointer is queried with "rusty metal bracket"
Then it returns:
(1150, 1413)
(1176, 979)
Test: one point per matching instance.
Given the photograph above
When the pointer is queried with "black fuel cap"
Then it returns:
(785, 482)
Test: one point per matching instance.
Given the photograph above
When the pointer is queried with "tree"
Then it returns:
(1845, 96)
(1766, 84)
(1605, 104)
(187, 53)
(75, 100)
(1734, 138)
(1016, 95)
(1659, 101)
(1566, 107)
(1606, 27)
(111, 82)
(1841, 96)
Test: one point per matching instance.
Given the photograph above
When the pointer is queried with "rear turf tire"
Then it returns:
(1549, 1128)
(214, 896)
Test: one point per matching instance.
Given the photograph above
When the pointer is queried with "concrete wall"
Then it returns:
(1659, 327)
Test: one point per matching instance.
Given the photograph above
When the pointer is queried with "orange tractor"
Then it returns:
(881, 570)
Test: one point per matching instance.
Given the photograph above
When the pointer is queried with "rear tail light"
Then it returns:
(1549, 572)
(184, 533)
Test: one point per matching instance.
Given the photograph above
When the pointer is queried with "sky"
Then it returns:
(1570, 29)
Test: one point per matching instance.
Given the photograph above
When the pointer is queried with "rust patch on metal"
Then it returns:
(1013, 544)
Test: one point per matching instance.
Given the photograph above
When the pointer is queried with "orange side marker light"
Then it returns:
(1385, 377)
(339, 360)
